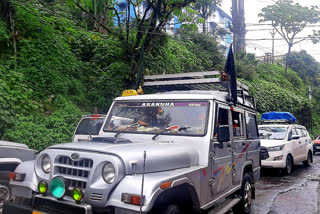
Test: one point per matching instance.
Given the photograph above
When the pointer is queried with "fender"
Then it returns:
(30, 183)
(152, 186)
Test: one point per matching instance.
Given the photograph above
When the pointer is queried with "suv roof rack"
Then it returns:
(205, 80)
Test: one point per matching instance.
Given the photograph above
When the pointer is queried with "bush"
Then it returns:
(46, 130)
(15, 98)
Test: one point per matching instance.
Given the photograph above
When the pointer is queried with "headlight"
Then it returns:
(108, 173)
(46, 164)
(275, 148)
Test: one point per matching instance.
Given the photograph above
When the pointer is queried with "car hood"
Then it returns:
(12, 144)
(270, 143)
(160, 156)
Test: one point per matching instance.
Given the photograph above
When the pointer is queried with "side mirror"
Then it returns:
(295, 137)
(223, 134)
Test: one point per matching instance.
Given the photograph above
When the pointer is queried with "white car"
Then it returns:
(287, 145)
(88, 127)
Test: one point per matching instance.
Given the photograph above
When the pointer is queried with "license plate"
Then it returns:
(318, 147)
(36, 212)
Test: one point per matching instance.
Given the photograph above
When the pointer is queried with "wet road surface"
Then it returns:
(276, 194)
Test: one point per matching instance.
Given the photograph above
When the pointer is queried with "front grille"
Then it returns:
(75, 172)
(96, 197)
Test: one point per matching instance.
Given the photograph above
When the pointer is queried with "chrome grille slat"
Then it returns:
(76, 172)
(96, 197)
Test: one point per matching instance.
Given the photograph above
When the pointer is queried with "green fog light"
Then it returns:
(58, 187)
(42, 187)
(77, 194)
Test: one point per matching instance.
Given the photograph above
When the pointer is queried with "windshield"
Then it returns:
(183, 118)
(89, 126)
(274, 133)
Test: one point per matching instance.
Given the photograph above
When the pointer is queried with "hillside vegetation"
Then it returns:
(60, 70)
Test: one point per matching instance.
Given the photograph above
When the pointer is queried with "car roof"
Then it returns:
(282, 125)
(183, 95)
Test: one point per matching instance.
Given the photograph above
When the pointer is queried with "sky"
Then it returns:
(256, 31)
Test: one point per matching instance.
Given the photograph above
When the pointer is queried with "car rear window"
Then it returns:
(89, 126)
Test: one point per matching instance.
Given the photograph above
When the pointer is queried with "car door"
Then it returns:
(304, 144)
(293, 145)
(239, 144)
(221, 154)
(301, 145)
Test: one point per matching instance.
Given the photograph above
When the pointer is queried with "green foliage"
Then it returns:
(276, 75)
(193, 52)
(15, 98)
(45, 58)
(305, 66)
(4, 35)
(173, 58)
(272, 97)
(46, 130)
(246, 66)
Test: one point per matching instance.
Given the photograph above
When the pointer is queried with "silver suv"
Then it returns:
(171, 152)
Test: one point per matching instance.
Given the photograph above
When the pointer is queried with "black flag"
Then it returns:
(231, 72)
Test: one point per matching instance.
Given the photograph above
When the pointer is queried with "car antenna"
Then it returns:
(142, 183)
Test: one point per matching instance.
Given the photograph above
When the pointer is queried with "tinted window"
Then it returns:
(252, 131)
(299, 132)
(305, 133)
(221, 120)
(237, 119)
(90, 126)
(292, 132)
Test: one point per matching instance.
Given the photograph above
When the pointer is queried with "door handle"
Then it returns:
(244, 144)
(229, 145)
(299, 142)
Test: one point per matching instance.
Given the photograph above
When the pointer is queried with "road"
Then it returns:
(296, 194)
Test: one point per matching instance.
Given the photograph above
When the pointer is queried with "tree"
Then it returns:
(7, 14)
(206, 8)
(138, 32)
(304, 65)
(289, 19)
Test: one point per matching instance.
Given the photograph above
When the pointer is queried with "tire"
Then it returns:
(289, 166)
(5, 192)
(308, 162)
(171, 209)
(246, 193)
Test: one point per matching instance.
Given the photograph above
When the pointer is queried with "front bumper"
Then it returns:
(272, 163)
(316, 148)
(47, 205)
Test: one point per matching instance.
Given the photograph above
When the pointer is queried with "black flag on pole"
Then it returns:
(231, 72)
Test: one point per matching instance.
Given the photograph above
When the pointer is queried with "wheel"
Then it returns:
(308, 162)
(289, 165)
(171, 209)
(5, 193)
(246, 192)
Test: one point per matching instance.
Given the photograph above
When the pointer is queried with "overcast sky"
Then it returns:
(252, 9)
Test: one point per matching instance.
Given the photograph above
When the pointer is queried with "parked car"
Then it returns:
(11, 155)
(88, 127)
(174, 152)
(316, 145)
(287, 144)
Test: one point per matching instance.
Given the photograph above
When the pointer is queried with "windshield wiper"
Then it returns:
(129, 126)
(168, 129)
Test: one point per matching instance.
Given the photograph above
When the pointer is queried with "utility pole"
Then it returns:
(239, 27)
(273, 33)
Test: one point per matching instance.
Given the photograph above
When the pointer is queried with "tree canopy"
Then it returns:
(289, 19)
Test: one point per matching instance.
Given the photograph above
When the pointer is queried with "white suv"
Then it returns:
(287, 145)
(88, 127)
